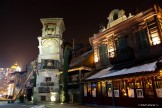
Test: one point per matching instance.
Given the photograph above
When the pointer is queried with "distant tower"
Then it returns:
(49, 58)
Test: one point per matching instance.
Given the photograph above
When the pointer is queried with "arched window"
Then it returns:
(115, 16)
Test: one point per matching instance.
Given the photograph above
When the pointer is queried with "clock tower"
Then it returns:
(49, 58)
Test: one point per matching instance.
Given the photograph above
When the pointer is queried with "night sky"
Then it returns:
(20, 23)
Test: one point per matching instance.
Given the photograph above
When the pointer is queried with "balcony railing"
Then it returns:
(47, 84)
(122, 55)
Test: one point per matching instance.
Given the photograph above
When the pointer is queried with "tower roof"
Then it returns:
(16, 67)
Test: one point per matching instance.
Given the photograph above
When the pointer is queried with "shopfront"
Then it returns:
(133, 90)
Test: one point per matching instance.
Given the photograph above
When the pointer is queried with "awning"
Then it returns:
(142, 68)
(82, 60)
(149, 67)
(100, 73)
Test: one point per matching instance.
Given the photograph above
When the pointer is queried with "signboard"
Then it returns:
(116, 93)
(139, 93)
(94, 92)
(159, 92)
(109, 93)
(131, 93)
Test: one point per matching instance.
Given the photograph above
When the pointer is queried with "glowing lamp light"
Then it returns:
(96, 59)
(160, 72)
(32, 98)
(62, 98)
(18, 69)
(155, 38)
(159, 16)
(125, 94)
(53, 98)
(111, 52)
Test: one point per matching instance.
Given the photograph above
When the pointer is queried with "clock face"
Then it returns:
(50, 45)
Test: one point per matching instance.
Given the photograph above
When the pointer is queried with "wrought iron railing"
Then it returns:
(121, 55)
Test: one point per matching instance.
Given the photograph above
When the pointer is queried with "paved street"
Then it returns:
(4, 104)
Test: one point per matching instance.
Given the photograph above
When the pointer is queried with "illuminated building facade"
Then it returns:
(3, 82)
(128, 51)
(13, 81)
(49, 58)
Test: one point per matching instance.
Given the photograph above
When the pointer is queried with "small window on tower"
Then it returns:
(50, 28)
(48, 79)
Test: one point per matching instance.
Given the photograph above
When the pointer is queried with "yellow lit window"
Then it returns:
(96, 58)
(85, 89)
(111, 51)
(103, 83)
(155, 38)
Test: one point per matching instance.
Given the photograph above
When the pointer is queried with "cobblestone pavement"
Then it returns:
(4, 104)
